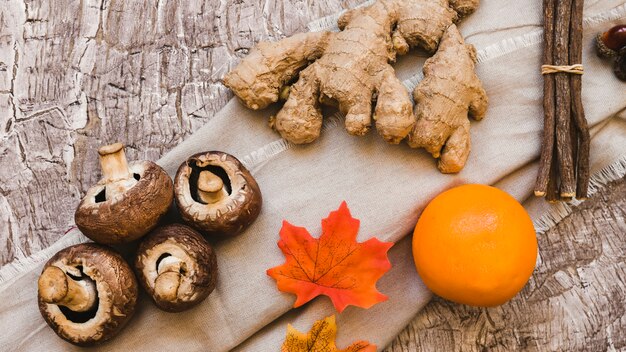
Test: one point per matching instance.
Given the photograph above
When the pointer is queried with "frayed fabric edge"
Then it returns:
(329, 23)
(15, 269)
(598, 181)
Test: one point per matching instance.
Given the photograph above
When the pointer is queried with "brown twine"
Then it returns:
(575, 69)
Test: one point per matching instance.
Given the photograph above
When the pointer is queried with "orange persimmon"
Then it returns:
(475, 245)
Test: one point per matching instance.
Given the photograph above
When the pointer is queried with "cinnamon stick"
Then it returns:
(564, 161)
(576, 56)
(564, 99)
(574, 144)
(549, 102)
(552, 194)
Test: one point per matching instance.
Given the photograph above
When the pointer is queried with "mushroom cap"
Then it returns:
(117, 294)
(230, 215)
(198, 273)
(130, 215)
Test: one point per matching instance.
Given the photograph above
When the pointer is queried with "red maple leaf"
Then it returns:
(334, 265)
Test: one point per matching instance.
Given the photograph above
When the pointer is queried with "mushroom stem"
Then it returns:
(55, 287)
(210, 188)
(168, 279)
(116, 174)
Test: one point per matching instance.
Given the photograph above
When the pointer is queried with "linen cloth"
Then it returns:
(385, 186)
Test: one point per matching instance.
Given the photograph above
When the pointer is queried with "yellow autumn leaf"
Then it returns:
(321, 338)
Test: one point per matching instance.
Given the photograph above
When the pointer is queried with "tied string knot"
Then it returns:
(575, 69)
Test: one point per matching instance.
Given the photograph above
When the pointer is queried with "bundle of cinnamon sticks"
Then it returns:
(564, 162)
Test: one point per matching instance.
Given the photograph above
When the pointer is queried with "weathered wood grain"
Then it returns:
(78, 74)
(573, 302)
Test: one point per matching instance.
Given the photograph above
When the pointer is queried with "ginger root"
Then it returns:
(449, 91)
(349, 69)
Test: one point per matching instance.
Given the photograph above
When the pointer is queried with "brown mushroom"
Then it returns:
(87, 293)
(177, 267)
(216, 194)
(127, 202)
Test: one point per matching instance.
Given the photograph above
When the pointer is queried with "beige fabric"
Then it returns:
(385, 186)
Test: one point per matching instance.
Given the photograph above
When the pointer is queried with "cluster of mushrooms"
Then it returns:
(88, 292)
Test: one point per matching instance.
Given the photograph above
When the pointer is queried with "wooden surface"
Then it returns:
(78, 74)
